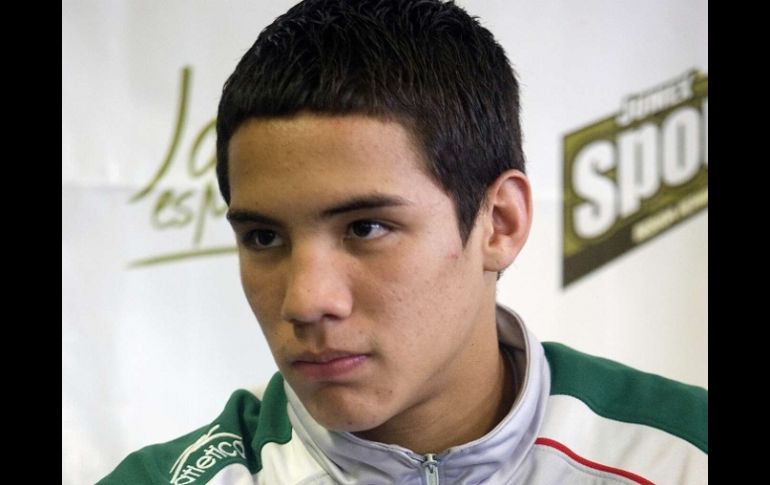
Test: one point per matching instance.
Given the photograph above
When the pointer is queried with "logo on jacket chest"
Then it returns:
(206, 456)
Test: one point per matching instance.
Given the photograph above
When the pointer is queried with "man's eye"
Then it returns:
(367, 230)
(263, 239)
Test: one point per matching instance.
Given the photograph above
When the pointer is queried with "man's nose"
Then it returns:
(317, 286)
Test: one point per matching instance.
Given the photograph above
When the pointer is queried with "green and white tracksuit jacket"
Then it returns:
(577, 420)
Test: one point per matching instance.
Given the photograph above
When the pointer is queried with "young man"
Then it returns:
(370, 155)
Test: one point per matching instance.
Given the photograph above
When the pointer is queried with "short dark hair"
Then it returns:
(424, 63)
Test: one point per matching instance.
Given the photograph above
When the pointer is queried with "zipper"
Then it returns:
(430, 469)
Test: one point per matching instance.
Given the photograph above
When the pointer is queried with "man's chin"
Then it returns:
(345, 418)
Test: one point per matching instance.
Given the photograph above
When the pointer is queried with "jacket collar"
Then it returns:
(496, 455)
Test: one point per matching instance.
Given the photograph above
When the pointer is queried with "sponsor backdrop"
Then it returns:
(156, 332)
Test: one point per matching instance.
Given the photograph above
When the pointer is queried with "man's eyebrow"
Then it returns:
(350, 205)
(242, 216)
(364, 202)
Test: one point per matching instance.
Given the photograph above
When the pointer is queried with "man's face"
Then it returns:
(352, 262)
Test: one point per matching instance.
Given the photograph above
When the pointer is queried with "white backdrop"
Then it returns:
(152, 352)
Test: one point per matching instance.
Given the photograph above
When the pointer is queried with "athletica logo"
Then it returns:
(189, 468)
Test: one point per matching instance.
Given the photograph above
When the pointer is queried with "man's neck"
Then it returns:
(466, 413)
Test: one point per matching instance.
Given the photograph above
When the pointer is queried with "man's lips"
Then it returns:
(327, 365)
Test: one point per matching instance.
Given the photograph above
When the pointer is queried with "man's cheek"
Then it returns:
(275, 340)
(264, 299)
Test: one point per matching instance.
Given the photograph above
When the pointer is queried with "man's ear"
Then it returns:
(507, 216)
